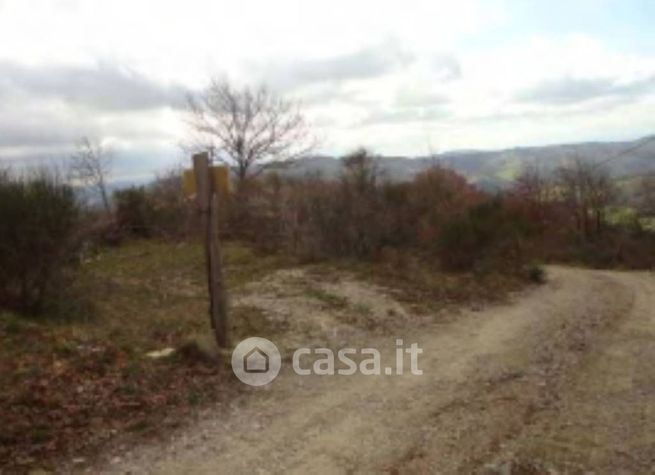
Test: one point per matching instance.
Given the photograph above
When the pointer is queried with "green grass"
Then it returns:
(626, 216)
(144, 294)
(331, 301)
(648, 223)
(154, 293)
(512, 167)
(621, 215)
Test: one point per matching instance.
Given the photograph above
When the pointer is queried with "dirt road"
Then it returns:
(561, 379)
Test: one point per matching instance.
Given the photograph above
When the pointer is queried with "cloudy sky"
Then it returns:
(404, 77)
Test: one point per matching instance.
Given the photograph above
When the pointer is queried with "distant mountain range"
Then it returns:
(496, 169)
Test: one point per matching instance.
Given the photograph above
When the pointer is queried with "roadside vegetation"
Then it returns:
(73, 365)
(87, 292)
(67, 385)
(586, 218)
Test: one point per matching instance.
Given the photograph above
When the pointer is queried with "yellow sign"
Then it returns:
(220, 176)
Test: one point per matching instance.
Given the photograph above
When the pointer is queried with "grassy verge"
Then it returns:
(422, 286)
(70, 385)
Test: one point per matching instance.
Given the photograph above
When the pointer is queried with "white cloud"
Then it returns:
(395, 76)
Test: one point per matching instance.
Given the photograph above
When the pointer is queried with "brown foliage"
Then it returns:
(158, 210)
(60, 404)
(362, 215)
(568, 208)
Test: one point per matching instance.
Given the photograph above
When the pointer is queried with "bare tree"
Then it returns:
(249, 128)
(587, 189)
(533, 185)
(91, 166)
(361, 172)
(603, 192)
(646, 194)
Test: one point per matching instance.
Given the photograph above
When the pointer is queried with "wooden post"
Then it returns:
(207, 201)
(219, 299)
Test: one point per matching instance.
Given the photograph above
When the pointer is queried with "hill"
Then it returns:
(496, 168)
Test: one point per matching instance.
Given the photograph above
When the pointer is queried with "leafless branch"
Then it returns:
(91, 166)
(249, 128)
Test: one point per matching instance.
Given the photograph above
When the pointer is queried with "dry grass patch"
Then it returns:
(68, 386)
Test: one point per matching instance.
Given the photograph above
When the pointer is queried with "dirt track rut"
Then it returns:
(561, 379)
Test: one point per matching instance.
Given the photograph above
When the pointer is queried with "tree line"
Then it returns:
(563, 215)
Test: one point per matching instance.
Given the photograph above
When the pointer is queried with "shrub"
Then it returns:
(536, 274)
(357, 215)
(38, 239)
(619, 247)
(316, 218)
(134, 211)
(361, 215)
(159, 210)
(437, 196)
(488, 231)
(174, 215)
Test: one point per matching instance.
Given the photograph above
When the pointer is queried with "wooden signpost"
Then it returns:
(208, 182)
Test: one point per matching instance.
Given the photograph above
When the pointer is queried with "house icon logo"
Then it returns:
(256, 361)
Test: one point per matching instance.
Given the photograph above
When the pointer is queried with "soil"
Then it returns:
(558, 380)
